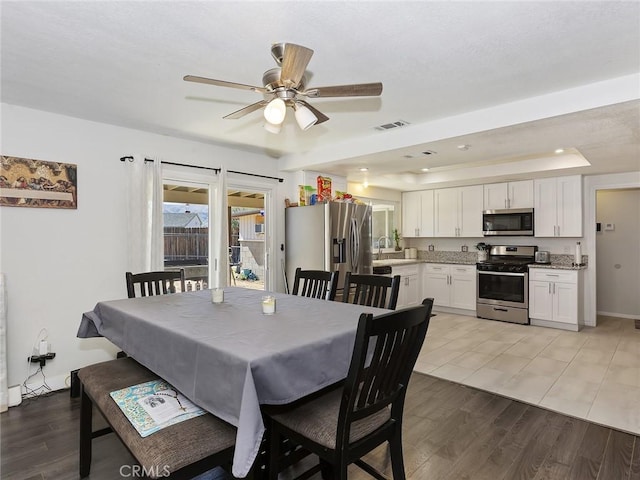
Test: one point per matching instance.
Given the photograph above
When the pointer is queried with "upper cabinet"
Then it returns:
(558, 206)
(508, 195)
(458, 212)
(417, 214)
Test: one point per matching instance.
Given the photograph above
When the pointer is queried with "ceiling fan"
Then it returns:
(285, 85)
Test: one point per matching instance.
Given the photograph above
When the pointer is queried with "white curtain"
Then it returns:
(144, 214)
(4, 386)
(219, 257)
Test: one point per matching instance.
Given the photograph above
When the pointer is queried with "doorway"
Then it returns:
(618, 256)
(185, 214)
(247, 238)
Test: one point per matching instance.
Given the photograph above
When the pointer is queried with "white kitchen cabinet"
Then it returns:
(458, 211)
(558, 206)
(417, 214)
(409, 293)
(450, 285)
(554, 298)
(508, 195)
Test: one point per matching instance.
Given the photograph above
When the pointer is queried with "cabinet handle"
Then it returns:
(549, 289)
(505, 203)
(554, 288)
(417, 232)
(558, 230)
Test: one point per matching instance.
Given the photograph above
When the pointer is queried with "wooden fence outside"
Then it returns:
(186, 244)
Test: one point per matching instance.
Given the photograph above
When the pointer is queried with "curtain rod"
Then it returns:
(217, 170)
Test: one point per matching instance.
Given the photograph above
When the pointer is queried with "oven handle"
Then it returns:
(508, 274)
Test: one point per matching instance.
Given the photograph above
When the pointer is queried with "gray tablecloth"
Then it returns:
(229, 358)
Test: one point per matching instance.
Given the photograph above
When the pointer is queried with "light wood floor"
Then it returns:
(451, 432)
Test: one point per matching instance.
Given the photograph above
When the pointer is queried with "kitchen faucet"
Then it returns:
(380, 245)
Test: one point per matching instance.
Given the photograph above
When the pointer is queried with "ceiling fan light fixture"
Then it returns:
(305, 117)
(275, 111)
(272, 127)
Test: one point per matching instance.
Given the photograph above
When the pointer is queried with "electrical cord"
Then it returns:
(43, 389)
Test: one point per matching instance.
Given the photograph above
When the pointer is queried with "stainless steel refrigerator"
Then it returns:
(332, 236)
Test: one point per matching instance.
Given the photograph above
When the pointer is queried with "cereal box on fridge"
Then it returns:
(324, 189)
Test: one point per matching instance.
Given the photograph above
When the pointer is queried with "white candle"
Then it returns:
(217, 295)
(268, 304)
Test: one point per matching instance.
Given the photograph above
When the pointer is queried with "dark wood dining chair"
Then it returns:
(154, 283)
(315, 284)
(346, 423)
(371, 290)
(148, 284)
(179, 451)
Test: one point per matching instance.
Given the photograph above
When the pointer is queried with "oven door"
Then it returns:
(503, 288)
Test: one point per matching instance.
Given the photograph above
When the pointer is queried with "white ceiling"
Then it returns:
(514, 80)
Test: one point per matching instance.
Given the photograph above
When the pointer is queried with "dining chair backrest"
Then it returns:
(342, 425)
(154, 283)
(384, 354)
(371, 290)
(315, 284)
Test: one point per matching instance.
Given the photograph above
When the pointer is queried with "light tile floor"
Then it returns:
(593, 374)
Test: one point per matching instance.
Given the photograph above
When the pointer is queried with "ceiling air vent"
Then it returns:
(421, 154)
(389, 126)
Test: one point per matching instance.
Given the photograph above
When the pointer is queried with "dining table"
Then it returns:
(229, 358)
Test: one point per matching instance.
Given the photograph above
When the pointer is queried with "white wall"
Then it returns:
(60, 263)
(591, 186)
(618, 250)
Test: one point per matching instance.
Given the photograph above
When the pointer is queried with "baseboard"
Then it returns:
(454, 311)
(55, 382)
(15, 397)
(619, 315)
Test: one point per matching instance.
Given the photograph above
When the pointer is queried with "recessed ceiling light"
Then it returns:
(364, 169)
(559, 150)
(463, 147)
(424, 169)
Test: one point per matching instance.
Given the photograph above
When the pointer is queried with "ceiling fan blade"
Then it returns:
(222, 83)
(319, 115)
(248, 109)
(294, 63)
(355, 90)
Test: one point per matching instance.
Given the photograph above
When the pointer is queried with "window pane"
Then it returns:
(186, 233)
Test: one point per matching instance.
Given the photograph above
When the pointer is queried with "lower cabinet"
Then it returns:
(409, 293)
(554, 298)
(450, 285)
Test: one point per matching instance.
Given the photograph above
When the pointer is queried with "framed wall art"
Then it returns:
(25, 182)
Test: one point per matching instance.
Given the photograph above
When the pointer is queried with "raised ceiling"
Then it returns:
(456, 72)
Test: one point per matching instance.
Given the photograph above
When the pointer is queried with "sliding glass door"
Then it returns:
(186, 229)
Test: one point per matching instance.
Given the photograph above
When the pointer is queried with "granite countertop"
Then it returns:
(452, 258)
(558, 261)
(557, 266)
(396, 261)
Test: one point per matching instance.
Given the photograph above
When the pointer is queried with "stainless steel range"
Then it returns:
(503, 283)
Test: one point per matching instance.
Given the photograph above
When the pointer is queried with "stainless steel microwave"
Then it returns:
(512, 221)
